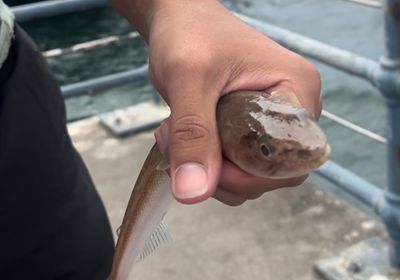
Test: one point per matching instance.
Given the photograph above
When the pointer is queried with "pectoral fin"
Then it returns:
(161, 235)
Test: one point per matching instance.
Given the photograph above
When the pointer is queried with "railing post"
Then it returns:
(388, 82)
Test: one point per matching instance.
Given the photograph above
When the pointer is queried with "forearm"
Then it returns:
(143, 14)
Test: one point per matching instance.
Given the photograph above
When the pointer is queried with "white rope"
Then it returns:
(354, 127)
(369, 3)
(102, 42)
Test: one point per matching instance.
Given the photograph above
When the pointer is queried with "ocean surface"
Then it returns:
(337, 22)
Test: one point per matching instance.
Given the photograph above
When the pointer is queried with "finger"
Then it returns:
(228, 198)
(194, 145)
(304, 81)
(242, 184)
(308, 89)
(161, 135)
(159, 140)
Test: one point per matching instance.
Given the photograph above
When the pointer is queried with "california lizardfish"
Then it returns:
(268, 135)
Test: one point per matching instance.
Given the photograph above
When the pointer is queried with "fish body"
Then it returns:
(268, 135)
(146, 208)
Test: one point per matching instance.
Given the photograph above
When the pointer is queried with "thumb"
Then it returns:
(195, 155)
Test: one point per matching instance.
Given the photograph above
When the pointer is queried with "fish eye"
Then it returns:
(265, 150)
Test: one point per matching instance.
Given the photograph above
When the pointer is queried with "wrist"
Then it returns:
(137, 12)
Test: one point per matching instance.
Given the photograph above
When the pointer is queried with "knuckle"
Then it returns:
(305, 68)
(184, 63)
(313, 75)
(190, 128)
(312, 71)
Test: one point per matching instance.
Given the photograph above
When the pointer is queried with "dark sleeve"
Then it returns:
(53, 224)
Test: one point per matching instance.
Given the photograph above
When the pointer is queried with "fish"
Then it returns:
(265, 134)
(270, 134)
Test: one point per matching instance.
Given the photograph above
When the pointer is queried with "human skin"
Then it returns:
(198, 52)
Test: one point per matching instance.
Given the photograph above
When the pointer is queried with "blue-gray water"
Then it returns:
(336, 22)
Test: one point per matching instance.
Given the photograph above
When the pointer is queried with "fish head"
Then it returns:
(275, 152)
(275, 139)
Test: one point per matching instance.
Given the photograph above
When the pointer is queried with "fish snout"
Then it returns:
(323, 153)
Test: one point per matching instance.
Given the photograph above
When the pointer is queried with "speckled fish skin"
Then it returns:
(269, 135)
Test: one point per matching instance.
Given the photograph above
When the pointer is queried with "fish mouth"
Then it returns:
(283, 170)
(303, 167)
(322, 158)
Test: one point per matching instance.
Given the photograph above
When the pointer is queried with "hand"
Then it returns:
(198, 52)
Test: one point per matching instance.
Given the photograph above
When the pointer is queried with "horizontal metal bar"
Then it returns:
(52, 8)
(368, 3)
(89, 45)
(356, 186)
(354, 127)
(341, 59)
(90, 86)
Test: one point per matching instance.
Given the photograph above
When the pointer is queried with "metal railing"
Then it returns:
(383, 74)
(101, 83)
(42, 9)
